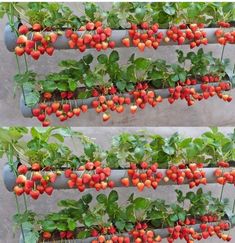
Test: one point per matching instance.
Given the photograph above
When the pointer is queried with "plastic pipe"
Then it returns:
(164, 93)
(117, 36)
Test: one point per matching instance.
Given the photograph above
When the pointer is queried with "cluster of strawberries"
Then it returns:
(183, 91)
(184, 230)
(194, 34)
(193, 174)
(145, 36)
(35, 183)
(223, 36)
(224, 177)
(34, 43)
(93, 176)
(146, 176)
(94, 36)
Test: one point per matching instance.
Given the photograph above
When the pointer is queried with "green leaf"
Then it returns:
(168, 149)
(88, 59)
(84, 94)
(141, 203)
(102, 59)
(83, 234)
(72, 84)
(72, 224)
(113, 196)
(48, 225)
(87, 198)
(101, 198)
(114, 57)
(121, 85)
(89, 220)
(169, 9)
(62, 86)
(142, 63)
(120, 224)
(173, 218)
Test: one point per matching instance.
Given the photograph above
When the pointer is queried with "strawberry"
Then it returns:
(66, 107)
(84, 108)
(50, 50)
(18, 190)
(22, 39)
(22, 169)
(36, 27)
(106, 117)
(125, 182)
(37, 37)
(49, 190)
(46, 235)
(133, 108)
(19, 51)
(90, 26)
(36, 112)
(140, 186)
(35, 167)
(41, 117)
(23, 29)
(34, 194)
(126, 42)
(77, 111)
(53, 37)
(35, 54)
(111, 44)
(141, 46)
(55, 106)
(21, 179)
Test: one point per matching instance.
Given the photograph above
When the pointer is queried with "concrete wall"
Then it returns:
(103, 137)
(210, 112)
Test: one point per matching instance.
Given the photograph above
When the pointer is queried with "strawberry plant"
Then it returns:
(136, 219)
(77, 80)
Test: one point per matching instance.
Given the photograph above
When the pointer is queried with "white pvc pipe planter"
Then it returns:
(117, 36)
(116, 176)
(164, 93)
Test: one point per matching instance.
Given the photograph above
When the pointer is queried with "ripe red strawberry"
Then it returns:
(141, 46)
(77, 111)
(18, 190)
(46, 235)
(55, 106)
(84, 108)
(90, 26)
(49, 190)
(21, 179)
(41, 117)
(36, 112)
(34, 194)
(125, 182)
(35, 54)
(36, 27)
(22, 39)
(111, 44)
(22, 169)
(35, 167)
(126, 42)
(66, 107)
(50, 50)
(68, 33)
(19, 51)
(23, 29)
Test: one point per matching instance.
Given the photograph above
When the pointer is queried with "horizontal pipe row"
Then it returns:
(164, 93)
(117, 36)
(116, 175)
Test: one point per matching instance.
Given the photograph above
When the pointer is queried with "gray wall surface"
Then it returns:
(47, 204)
(204, 113)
